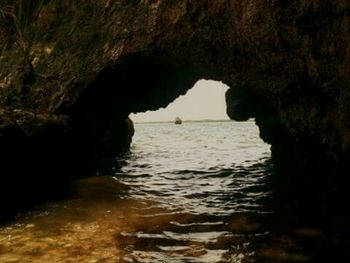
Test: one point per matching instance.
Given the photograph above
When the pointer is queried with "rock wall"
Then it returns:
(72, 71)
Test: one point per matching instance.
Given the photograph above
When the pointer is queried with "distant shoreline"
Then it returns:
(186, 121)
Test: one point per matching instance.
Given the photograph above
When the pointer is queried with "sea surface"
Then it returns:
(196, 192)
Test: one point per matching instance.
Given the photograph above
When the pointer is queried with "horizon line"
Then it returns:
(204, 120)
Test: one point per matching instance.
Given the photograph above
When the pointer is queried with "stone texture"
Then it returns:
(80, 68)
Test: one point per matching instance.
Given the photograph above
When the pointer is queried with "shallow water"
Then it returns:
(197, 192)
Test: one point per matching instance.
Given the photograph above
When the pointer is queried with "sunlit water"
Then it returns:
(205, 179)
(196, 192)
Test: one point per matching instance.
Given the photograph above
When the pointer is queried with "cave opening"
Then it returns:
(199, 181)
(206, 155)
(204, 106)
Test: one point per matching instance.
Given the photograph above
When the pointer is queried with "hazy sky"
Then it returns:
(205, 101)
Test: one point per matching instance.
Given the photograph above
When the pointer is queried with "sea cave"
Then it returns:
(71, 73)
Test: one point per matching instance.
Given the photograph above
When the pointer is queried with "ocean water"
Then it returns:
(212, 168)
(206, 179)
(196, 192)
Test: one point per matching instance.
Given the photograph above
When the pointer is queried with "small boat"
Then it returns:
(178, 120)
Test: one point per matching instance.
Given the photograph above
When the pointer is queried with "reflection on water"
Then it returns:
(198, 192)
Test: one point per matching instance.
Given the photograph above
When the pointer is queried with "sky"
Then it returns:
(205, 101)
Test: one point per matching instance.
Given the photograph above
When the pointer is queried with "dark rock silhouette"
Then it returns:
(69, 77)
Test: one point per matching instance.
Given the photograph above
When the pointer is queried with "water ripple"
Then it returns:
(210, 180)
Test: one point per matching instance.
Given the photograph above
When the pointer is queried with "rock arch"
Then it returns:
(88, 64)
